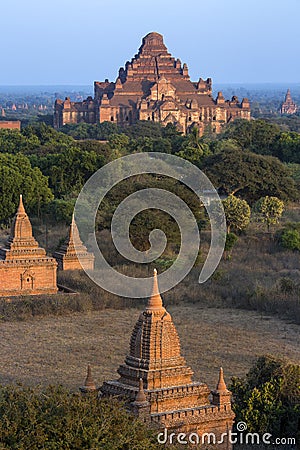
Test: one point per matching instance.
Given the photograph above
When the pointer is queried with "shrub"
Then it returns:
(58, 419)
(231, 239)
(268, 399)
(290, 239)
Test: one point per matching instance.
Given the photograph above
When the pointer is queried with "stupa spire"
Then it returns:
(67, 254)
(21, 209)
(221, 386)
(155, 301)
(73, 229)
(140, 396)
(21, 229)
(89, 385)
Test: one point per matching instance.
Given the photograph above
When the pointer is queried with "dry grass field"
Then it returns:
(51, 350)
(250, 307)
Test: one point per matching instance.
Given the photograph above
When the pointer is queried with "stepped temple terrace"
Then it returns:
(157, 382)
(157, 87)
(67, 255)
(25, 269)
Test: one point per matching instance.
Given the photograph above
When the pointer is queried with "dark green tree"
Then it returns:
(268, 399)
(249, 175)
(58, 419)
(17, 176)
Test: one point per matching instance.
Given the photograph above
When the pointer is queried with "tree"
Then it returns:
(146, 128)
(290, 239)
(13, 141)
(56, 166)
(17, 176)
(269, 210)
(250, 175)
(58, 419)
(194, 149)
(258, 135)
(287, 147)
(118, 141)
(237, 213)
(100, 131)
(268, 399)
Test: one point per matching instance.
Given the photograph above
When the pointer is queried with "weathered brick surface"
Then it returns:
(10, 124)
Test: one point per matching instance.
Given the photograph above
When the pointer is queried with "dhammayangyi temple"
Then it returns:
(157, 87)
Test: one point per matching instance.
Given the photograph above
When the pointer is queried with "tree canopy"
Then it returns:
(268, 398)
(55, 418)
(17, 176)
(249, 175)
(237, 212)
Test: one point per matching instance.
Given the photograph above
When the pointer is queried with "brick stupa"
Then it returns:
(157, 382)
(72, 248)
(25, 269)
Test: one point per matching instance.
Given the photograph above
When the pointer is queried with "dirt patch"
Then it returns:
(53, 350)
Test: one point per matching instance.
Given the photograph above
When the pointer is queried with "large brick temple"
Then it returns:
(157, 382)
(25, 269)
(154, 86)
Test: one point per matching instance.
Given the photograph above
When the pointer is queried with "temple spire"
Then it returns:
(89, 385)
(21, 229)
(73, 229)
(72, 249)
(221, 386)
(21, 209)
(155, 301)
(140, 396)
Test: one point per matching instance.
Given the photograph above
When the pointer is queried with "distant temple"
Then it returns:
(9, 124)
(156, 87)
(158, 385)
(67, 255)
(25, 269)
(288, 106)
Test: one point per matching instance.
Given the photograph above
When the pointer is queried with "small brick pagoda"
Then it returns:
(67, 255)
(158, 383)
(25, 269)
(288, 106)
(154, 86)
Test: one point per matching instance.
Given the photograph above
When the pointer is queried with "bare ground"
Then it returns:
(53, 350)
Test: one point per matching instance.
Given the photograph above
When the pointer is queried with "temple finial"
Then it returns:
(89, 385)
(155, 301)
(221, 386)
(71, 230)
(140, 396)
(21, 209)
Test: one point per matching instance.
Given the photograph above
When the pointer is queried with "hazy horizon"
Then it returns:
(75, 43)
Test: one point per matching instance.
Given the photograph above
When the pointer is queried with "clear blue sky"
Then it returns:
(79, 41)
